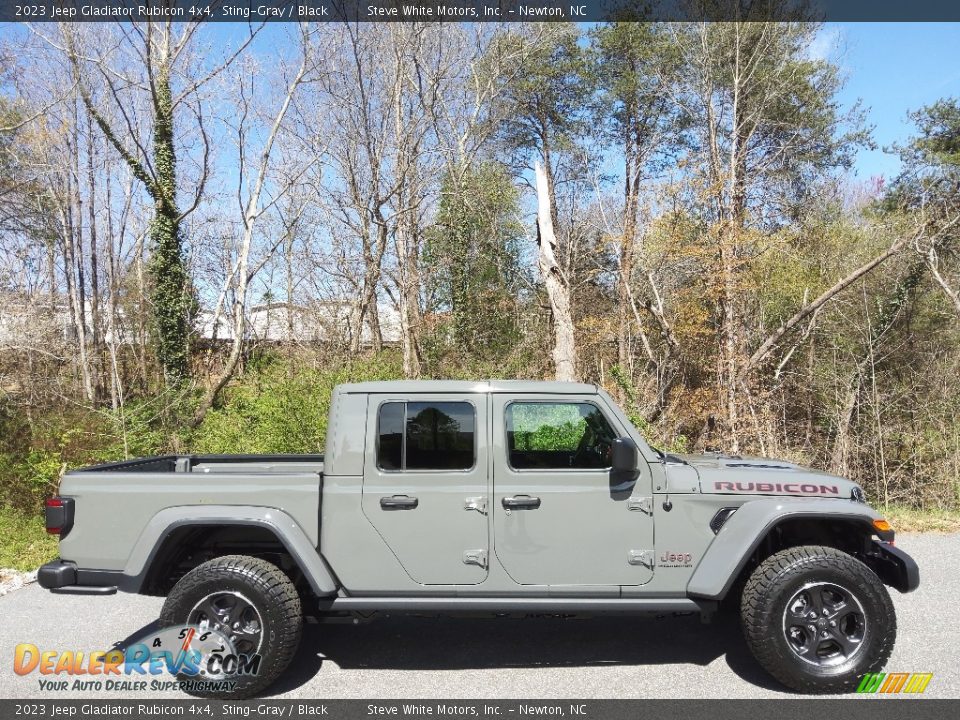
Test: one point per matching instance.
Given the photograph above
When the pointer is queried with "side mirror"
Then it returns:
(624, 455)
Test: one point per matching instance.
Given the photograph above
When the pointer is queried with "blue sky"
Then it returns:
(893, 68)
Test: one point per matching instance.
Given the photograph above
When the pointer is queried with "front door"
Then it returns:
(425, 485)
(559, 518)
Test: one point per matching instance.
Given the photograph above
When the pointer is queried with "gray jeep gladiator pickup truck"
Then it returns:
(500, 497)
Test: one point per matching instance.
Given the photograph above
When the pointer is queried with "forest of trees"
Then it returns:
(665, 209)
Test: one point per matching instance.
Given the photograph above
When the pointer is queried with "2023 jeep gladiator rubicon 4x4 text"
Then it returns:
(501, 497)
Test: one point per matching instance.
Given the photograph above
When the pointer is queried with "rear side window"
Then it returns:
(558, 435)
(390, 436)
(426, 436)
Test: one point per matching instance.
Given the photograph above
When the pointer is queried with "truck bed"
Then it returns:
(117, 504)
(212, 464)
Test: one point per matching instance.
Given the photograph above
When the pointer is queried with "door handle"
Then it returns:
(521, 501)
(399, 502)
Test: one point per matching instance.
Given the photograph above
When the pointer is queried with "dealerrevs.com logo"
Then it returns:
(193, 659)
(894, 683)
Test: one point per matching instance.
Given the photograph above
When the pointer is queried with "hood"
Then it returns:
(732, 474)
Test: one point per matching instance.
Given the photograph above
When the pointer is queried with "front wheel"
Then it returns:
(252, 606)
(818, 619)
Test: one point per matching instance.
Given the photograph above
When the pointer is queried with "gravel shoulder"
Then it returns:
(11, 580)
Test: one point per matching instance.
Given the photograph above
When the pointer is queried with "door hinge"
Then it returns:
(476, 503)
(475, 557)
(641, 557)
(643, 504)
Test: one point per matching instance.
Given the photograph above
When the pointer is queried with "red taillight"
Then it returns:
(56, 515)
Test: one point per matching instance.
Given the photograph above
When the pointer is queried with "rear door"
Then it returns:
(425, 484)
(559, 518)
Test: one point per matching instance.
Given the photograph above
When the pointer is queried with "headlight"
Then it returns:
(857, 495)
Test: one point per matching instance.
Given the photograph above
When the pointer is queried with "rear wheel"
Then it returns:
(818, 619)
(250, 603)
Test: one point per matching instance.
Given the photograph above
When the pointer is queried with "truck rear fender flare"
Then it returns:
(743, 532)
(287, 531)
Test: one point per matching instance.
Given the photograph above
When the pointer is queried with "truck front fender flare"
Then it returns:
(730, 551)
(284, 527)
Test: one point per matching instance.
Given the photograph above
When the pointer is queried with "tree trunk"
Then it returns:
(95, 320)
(365, 310)
(558, 293)
(373, 322)
(116, 391)
(74, 298)
(631, 178)
(408, 300)
(405, 231)
(767, 346)
(171, 283)
(72, 222)
(729, 335)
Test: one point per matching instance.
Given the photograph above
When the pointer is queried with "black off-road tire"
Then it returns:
(790, 574)
(274, 597)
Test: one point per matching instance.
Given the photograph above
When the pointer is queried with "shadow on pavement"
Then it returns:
(138, 635)
(446, 643)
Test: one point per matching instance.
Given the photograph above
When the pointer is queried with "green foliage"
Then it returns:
(24, 542)
(631, 61)
(26, 482)
(939, 132)
(930, 180)
(661, 438)
(787, 107)
(283, 408)
(555, 427)
(143, 427)
(14, 429)
(549, 99)
(173, 301)
(29, 468)
(474, 251)
(931, 519)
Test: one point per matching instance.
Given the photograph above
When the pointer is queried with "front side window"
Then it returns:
(426, 436)
(545, 435)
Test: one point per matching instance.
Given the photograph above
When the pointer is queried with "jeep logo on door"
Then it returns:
(783, 488)
(675, 559)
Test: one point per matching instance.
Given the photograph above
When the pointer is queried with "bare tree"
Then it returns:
(352, 106)
(151, 63)
(253, 209)
(564, 345)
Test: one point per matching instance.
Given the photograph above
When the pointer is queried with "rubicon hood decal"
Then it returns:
(725, 474)
(726, 486)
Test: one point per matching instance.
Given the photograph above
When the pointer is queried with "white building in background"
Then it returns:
(31, 324)
(281, 322)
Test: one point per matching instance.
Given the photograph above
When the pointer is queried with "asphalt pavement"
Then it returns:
(603, 657)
